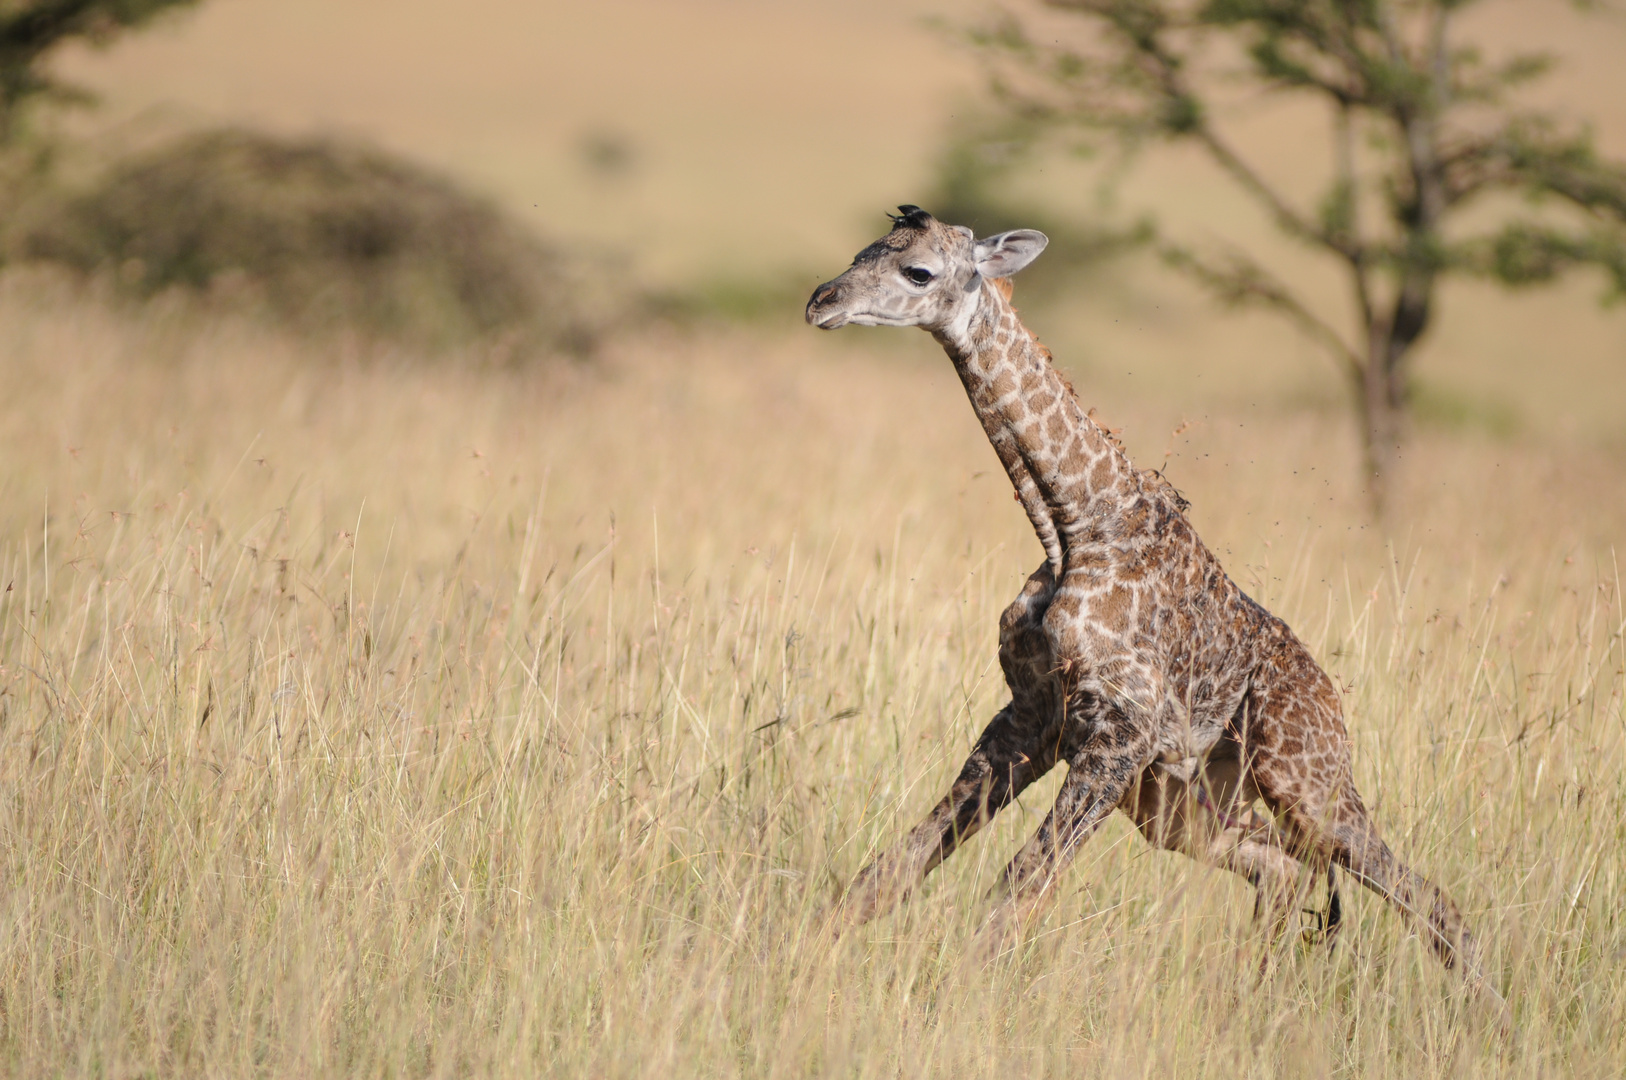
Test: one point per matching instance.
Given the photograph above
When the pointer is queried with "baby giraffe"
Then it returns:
(1130, 655)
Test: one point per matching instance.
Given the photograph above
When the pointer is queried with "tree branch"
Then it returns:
(1526, 152)
(1348, 196)
(1241, 282)
(33, 28)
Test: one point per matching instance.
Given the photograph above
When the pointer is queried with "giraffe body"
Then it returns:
(1130, 655)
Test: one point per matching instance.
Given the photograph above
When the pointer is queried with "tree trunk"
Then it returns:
(1389, 341)
(1382, 391)
(1380, 413)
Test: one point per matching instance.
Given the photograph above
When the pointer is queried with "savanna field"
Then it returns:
(365, 716)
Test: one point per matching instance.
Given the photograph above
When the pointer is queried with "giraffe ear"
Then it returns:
(1003, 254)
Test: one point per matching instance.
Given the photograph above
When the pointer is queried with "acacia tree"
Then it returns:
(1423, 129)
(30, 30)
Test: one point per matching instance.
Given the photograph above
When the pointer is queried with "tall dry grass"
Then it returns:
(361, 718)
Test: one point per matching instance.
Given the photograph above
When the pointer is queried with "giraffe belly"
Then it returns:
(1199, 708)
(1183, 744)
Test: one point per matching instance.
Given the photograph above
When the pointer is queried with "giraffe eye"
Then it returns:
(918, 274)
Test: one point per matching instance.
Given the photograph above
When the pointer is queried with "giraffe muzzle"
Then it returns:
(823, 296)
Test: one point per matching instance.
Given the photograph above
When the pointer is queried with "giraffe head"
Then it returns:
(923, 273)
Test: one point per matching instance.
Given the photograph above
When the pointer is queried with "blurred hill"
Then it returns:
(321, 235)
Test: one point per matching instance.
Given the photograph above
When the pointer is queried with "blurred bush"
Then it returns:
(325, 236)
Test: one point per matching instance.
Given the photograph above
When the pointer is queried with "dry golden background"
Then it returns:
(370, 715)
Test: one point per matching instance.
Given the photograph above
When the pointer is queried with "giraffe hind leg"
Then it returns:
(1206, 812)
(1298, 758)
(1358, 848)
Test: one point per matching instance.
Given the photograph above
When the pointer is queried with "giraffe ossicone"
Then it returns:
(1130, 655)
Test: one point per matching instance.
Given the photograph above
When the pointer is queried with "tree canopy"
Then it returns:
(1423, 129)
(31, 29)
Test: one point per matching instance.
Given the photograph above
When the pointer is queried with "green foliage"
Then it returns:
(1440, 133)
(31, 29)
(322, 235)
(1525, 253)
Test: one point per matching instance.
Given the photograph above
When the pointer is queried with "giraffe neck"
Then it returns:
(1069, 474)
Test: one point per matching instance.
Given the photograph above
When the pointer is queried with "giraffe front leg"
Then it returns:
(1098, 775)
(1008, 757)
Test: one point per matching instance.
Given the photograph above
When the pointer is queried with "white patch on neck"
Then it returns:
(958, 329)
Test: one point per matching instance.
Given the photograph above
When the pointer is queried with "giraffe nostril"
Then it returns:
(824, 294)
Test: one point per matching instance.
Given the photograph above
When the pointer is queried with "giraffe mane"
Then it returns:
(1006, 286)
